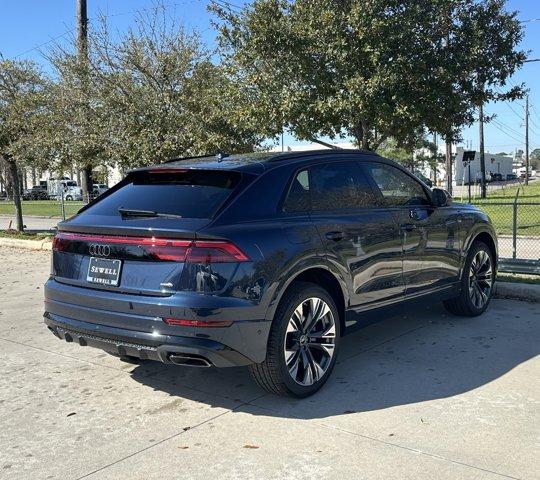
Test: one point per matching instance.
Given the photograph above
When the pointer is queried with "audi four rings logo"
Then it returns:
(101, 250)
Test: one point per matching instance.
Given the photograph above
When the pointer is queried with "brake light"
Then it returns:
(168, 170)
(164, 249)
(179, 322)
(214, 252)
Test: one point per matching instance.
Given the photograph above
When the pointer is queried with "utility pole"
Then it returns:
(82, 50)
(482, 153)
(527, 140)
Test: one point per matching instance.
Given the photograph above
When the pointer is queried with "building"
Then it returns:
(495, 164)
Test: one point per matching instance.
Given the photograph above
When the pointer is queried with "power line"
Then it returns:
(71, 30)
(503, 125)
(520, 141)
(535, 113)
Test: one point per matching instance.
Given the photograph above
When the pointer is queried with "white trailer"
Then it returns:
(495, 164)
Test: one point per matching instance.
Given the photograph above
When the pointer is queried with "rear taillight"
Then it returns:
(164, 249)
(180, 322)
(214, 252)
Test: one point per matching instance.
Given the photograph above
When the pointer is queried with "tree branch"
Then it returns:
(325, 144)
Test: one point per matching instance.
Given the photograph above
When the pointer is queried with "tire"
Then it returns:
(69, 198)
(475, 286)
(311, 358)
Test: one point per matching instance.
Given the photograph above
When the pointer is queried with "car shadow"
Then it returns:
(422, 355)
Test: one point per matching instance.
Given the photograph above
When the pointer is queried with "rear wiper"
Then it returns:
(128, 212)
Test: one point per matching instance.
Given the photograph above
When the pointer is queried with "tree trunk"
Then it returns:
(360, 134)
(482, 153)
(8, 184)
(87, 183)
(15, 182)
(449, 165)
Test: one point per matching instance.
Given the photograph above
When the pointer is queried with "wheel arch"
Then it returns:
(489, 239)
(322, 276)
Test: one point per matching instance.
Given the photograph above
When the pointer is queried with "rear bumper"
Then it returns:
(146, 346)
(133, 325)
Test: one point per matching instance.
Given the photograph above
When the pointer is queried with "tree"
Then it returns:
(78, 134)
(323, 68)
(160, 96)
(535, 158)
(21, 102)
(489, 36)
(369, 70)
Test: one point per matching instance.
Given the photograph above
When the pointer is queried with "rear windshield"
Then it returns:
(187, 193)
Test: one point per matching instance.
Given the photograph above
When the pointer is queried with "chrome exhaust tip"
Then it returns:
(189, 360)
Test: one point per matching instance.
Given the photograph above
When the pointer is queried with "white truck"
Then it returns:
(56, 187)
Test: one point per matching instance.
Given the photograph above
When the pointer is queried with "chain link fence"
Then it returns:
(517, 225)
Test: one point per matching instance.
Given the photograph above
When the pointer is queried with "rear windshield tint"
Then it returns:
(187, 193)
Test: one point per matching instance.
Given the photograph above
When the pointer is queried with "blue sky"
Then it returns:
(27, 24)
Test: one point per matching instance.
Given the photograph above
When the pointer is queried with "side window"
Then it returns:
(338, 186)
(397, 188)
(298, 197)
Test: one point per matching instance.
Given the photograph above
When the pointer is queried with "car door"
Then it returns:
(361, 240)
(430, 234)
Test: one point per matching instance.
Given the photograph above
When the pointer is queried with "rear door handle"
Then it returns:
(408, 227)
(335, 236)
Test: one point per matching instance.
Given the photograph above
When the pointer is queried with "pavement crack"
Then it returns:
(416, 450)
(170, 437)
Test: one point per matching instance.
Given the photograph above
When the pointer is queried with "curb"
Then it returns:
(45, 244)
(517, 291)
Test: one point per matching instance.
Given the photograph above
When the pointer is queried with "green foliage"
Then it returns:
(534, 158)
(22, 103)
(162, 97)
(370, 70)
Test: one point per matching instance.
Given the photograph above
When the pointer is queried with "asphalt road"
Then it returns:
(422, 396)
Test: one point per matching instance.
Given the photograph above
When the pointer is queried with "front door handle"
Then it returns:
(335, 236)
(408, 227)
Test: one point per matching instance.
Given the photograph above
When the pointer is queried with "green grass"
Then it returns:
(529, 193)
(528, 220)
(23, 236)
(42, 208)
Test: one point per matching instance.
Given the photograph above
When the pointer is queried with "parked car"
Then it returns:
(35, 193)
(264, 260)
(496, 177)
(3, 195)
(98, 189)
(511, 176)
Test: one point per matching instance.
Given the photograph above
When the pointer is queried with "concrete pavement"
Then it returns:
(425, 395)
(32, 223)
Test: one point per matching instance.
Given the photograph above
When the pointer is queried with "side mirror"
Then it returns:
(441, 198)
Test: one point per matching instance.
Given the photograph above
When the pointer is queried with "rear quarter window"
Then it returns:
(186, 193)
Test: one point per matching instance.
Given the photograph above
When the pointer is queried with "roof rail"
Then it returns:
(279, 157)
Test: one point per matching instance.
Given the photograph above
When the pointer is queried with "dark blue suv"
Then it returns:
(262, 259)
